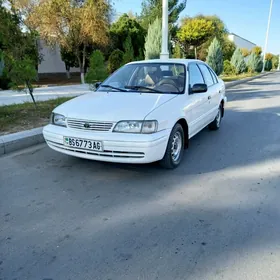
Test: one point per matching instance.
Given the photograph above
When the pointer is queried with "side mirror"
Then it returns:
(198, 88)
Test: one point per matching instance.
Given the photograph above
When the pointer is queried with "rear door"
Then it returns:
(197, 102)
(213, 93)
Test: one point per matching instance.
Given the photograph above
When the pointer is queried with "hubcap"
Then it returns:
(218, 118)
(176, 146)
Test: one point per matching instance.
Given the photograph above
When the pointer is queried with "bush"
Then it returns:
(255, 63)
(97, 70)
(275, 61)
(153, 40)
(228, 68)
(238, 62)
(268, 65)
(115, 60)
(215, 57)
(128, 51)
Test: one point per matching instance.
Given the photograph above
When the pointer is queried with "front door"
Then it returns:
(197, 105)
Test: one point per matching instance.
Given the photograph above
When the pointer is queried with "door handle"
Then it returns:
(209, 97)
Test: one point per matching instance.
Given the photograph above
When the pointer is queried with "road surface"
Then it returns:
(215, 217)
(8, 97)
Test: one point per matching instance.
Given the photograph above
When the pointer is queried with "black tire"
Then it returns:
(170, 159)
(215, 125)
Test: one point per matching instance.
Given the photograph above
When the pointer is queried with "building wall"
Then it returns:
(241, 42)
(52, 62)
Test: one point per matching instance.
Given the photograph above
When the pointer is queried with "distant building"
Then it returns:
(241, 42)
(52, 62)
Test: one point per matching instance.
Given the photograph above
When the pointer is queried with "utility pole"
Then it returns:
(267, 34)
(164, 40)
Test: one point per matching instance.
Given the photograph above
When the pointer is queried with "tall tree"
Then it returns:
(238, 62)
(194, 32)
(72, 25)
(126, 27)
(257, 50)
(128, 51)
(153, 40)
(152, 9)
(215, 57)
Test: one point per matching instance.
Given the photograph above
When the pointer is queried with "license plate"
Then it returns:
(83, 144)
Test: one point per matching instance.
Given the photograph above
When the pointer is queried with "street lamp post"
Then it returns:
(267, 33)
(164, 42)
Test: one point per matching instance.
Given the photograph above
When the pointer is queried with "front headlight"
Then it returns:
(58, 119)
(145, 127)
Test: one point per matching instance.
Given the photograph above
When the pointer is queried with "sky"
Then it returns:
(246, 18)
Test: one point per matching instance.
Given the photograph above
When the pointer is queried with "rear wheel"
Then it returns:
(215, 125)
(175, 148)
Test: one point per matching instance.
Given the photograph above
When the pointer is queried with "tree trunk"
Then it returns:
(195, 52)
(68, 71)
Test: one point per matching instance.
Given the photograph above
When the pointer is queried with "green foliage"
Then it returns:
(115, 60)
(128, 51)
(194, 32)
(153, 40)
(152, 9)
(268, 65)
(69, 58)
(21, 72)
(255, 63)
(228, 68)
(268, 56)
(275, 61)
(228, 47)
(215, 57)
(257, 50)
(97, 70)
(177, 53)
(126, 27)
(238, 62)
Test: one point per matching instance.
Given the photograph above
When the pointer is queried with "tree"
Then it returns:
(177, 53)
(228, 47)
(194, 32)
(268, 65)
(153, 40)
(268, 56)
(238, 62)
(255, 63)
(275, 61)
(70, 60)
(22, 72)
(97, 70)
(228, 68)
(126, 27)
(152, 9)
(257, 50)
(115, 60)
(72, 25)
(245, 52)
(128, 51)
(215, 57)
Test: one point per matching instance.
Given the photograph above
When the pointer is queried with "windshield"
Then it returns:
(147, 77)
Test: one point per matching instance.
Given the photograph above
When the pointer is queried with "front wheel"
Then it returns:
(215, 125)
(175, 148)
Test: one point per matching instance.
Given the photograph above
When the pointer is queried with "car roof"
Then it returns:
(171, 60)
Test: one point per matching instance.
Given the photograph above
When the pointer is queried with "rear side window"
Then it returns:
(214, 76)
(206, 74)
(195, 76)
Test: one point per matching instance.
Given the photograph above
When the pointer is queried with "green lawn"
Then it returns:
(238, 77)
(18, 117)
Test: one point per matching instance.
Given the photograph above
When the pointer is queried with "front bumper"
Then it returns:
(118, 147)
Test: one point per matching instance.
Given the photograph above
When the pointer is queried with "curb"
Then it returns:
(20, 140)
(238, 82)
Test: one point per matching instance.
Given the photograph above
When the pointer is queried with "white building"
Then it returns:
(241, 42)
(52, 62)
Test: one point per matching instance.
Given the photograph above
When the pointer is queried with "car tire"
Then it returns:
(175, 148)
(215, 125)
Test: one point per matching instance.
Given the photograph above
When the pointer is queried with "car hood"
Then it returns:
(113, 106)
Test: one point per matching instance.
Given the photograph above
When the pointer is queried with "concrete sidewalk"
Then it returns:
(8, 97)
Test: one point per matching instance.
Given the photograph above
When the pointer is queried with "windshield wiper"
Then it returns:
(142, 87)
(115, 88)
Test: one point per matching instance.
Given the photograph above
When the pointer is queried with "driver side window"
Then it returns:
(195, 76)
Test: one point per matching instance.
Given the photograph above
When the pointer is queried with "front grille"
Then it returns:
(105, 153)
(89, 125)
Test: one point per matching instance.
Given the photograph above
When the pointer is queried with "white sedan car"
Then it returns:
(146, 111)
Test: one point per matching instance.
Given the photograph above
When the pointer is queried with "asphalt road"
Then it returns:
(215, 217)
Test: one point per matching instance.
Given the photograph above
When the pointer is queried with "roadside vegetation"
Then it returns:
(18, 117)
